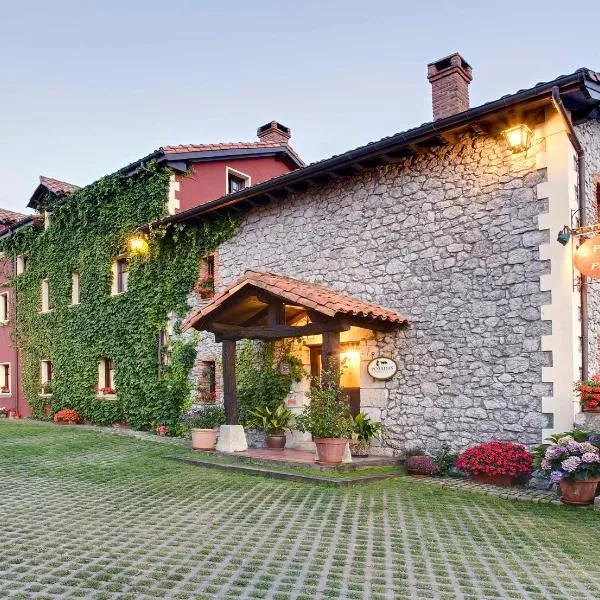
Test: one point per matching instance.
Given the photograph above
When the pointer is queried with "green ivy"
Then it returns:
(86, 233)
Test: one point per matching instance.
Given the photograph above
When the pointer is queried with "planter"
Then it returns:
(591, 410)
(330, 450)
(578, 492)
(204, 439)
(360, 448)
(503, 480)
(275, 441)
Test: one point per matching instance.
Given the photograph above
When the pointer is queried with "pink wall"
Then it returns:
(8, 352)
(207, 181)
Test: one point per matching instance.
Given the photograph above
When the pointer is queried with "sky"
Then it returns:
(87, 87)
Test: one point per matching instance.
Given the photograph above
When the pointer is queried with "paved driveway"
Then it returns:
(88, 515)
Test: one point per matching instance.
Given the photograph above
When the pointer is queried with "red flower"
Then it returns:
(67, 416)
(496, 458)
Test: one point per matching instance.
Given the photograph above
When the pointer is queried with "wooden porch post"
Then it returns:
(229, 386)
(330, 351)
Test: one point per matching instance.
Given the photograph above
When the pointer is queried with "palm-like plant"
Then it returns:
(274, 421)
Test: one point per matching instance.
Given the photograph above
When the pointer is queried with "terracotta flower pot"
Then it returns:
(330, 450)
(590, 410)
(578, 491)
(360, 448)
(504, 480)
(204, 439)
(275, 441)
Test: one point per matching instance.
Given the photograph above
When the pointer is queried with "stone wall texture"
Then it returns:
(450, 239)
(589, 137)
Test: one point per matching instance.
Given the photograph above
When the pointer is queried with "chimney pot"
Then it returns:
(450, 78)
(274, 132)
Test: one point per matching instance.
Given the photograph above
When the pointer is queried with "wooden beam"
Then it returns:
(276, 313)
(330, 351)
(276, 332)
(229, 387)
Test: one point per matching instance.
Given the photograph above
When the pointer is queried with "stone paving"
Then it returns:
(88, 515)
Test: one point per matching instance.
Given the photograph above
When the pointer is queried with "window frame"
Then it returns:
(4, 308)
(237, 175)
(120, 272)
(106, 377)
(5, 378)
(75, 288)
(45, 296)
(21, 265)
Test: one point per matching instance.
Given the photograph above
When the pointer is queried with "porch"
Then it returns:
(270, 307)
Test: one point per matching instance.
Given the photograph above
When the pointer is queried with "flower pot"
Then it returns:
(204, 439)
(591, 410)
(503, 480)
(360, 448)
(330, 450)
(578, 491)
(275, 441)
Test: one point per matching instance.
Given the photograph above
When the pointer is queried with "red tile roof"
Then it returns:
(60, 188)
(9, 217)
(302, 293)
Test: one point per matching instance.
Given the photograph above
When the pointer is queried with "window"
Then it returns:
(21, 264)
(236, 180)
(47, 219)
(4, 307)
(106, 377)
(75, 288)
(207, 388)
(120, 271)
(205, 286)
(5, 378)
(46, 377)
(164, 351)
(45, 295)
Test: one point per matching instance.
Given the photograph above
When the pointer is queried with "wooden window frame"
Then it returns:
(5, 381)
(4, 308)
(232, 174)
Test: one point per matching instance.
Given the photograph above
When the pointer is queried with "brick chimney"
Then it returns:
(274, 132)
(449, 78)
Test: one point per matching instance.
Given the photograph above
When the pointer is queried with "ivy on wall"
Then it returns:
(86, 233)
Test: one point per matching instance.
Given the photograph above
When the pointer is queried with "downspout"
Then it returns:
(560, 107)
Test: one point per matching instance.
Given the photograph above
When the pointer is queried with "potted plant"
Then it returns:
(67, 416)
(574, 464)
(419, 464)
(205, 286)
(45, 388)
(203, 423)
(3, 412)
(161, 430)
(327, 417)
(363, 432)
(496, 462)
(273, 421)
(589, 394)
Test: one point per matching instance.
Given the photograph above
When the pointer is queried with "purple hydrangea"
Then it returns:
(590, 457)
(556, 476)
(546, 464)
(570, 464)
(573, 447)
(555, 451)
(587, 447)
(594, 438)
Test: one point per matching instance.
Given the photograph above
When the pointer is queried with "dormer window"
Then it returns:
(236, 181)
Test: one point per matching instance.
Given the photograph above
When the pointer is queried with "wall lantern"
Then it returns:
(518, 138)
(138, 245)
(587, 258)
(564, 235)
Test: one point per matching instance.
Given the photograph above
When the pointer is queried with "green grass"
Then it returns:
(90, 515)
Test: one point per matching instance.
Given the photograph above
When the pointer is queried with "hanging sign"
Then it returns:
(382, 368)
(587, 258)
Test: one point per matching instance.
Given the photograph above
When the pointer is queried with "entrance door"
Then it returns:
(349, 377)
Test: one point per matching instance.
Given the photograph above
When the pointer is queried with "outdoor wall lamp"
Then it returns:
(138, 245)
(518, 138)
(564, 235)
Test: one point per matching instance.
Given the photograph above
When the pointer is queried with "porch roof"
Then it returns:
(245, 303)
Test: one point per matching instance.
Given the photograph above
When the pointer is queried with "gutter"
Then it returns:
(560, 107)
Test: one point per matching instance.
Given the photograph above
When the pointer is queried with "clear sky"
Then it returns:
(87, 87)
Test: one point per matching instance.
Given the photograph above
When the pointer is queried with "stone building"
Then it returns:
(454, 225)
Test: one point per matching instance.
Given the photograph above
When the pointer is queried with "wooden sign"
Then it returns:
(382, 368)
(587, 258)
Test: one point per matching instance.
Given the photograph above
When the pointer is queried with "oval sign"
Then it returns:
(587, 258)
(382, 368)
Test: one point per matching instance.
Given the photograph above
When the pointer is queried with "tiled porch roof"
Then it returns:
(8, 217)
(301, 293)
(57, 187)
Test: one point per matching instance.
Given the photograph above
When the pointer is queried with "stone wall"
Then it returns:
(450, 239)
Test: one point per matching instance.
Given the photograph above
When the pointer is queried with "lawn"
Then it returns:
(89, 515)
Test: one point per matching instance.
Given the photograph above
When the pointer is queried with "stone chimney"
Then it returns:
(274, 132)
(449, 78)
